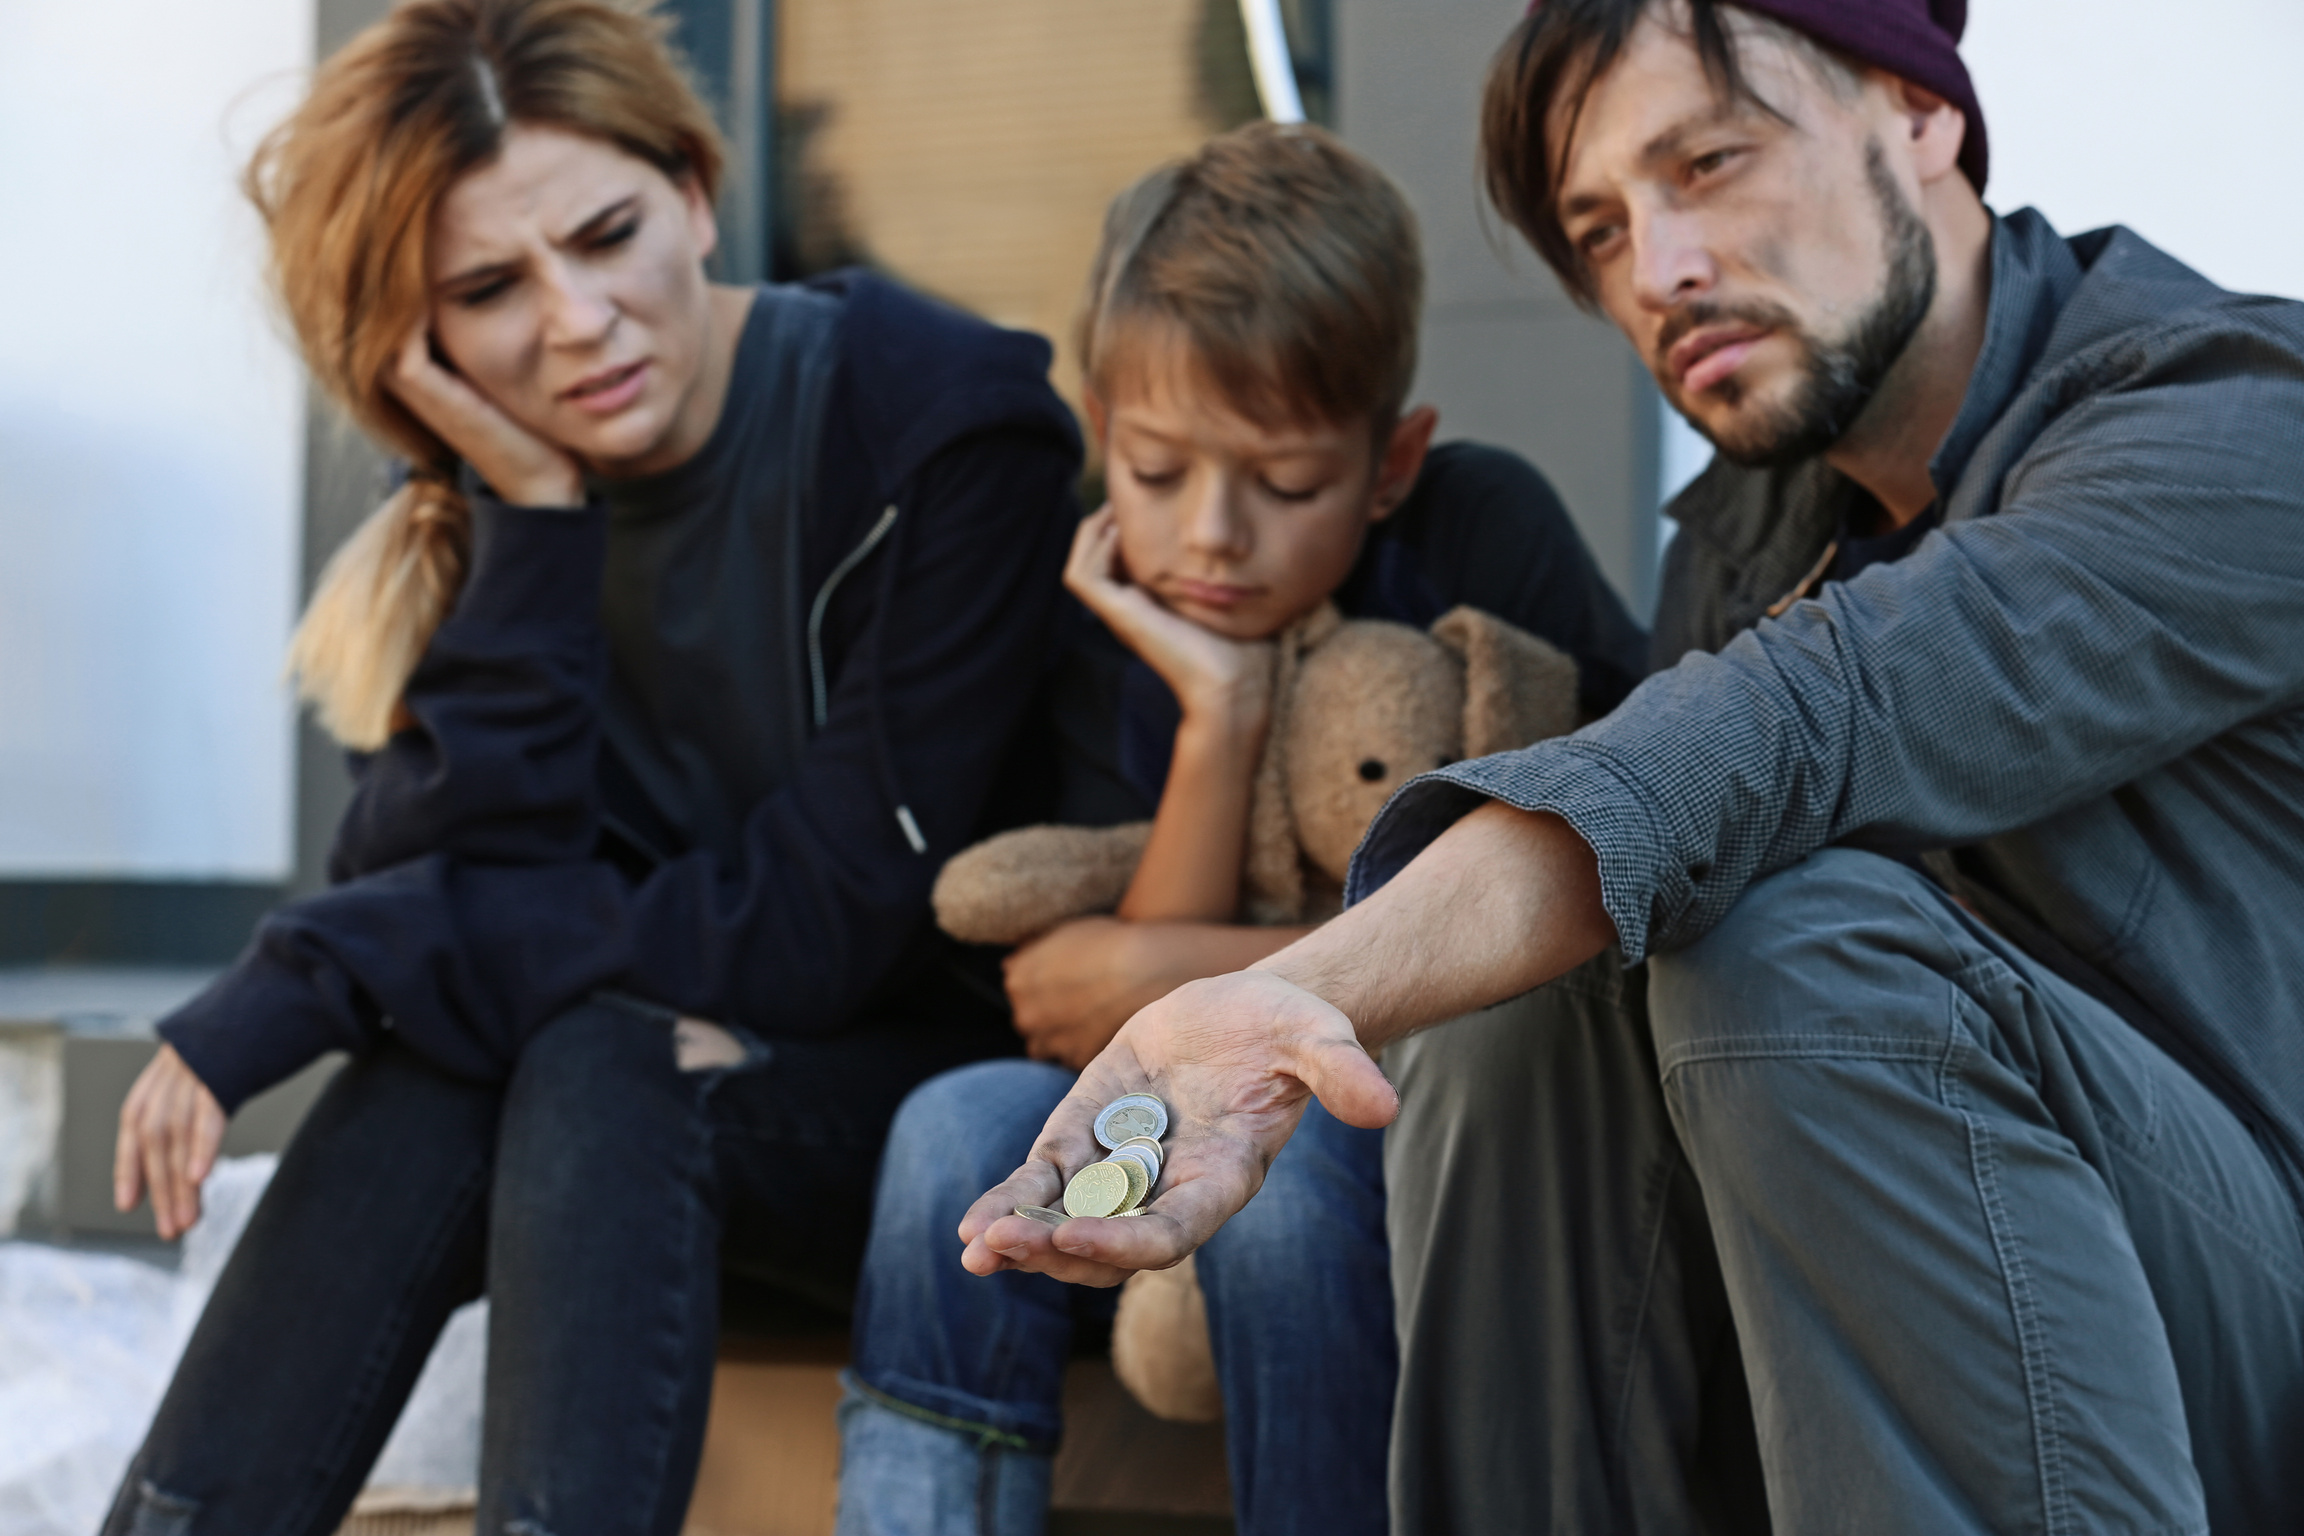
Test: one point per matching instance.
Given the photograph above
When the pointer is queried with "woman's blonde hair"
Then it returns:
(347, 187)
(1288, 264)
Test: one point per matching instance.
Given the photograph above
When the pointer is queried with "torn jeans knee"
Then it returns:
(145, 1509)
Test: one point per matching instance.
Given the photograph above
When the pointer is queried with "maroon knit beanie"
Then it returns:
(1916, 39)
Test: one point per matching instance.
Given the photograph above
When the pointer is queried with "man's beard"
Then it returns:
(1837, 379)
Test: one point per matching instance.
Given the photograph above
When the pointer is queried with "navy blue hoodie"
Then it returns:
(490, 875)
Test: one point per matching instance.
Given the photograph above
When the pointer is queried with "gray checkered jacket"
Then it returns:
(2081, 698)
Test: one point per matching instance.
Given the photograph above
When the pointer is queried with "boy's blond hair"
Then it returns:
(1286, 263)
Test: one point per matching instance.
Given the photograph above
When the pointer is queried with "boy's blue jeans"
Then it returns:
(1989, 1259)
(1299, 1311)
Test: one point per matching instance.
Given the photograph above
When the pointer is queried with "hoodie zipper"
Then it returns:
(819, 694)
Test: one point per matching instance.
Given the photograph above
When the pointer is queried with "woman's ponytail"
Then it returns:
(379, 599)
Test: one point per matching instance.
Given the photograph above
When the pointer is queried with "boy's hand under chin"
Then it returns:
(1210, 674)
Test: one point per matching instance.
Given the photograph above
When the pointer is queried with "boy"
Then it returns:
(1248, 347)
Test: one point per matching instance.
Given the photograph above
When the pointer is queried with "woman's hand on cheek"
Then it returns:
(170, 1129)
(1212, 676)
(521, 467)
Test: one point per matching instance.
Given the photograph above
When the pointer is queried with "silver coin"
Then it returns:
(1041, 1213)
(1136, 1152)
(1146, 1144)
(1132, 1114)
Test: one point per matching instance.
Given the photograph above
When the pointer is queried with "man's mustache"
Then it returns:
(1757, 313)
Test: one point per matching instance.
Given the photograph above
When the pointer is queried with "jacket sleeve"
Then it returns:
(2139, 593)
(501, 762)
(464, 953)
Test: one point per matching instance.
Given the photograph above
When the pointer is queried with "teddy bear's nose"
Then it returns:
(1371, 769)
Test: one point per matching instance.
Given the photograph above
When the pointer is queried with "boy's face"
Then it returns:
(1239, 527)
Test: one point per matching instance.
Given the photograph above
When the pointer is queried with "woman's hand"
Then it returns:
(1211, 676)
(170, 1128)
(521, 467)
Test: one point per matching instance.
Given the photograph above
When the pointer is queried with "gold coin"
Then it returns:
(1099, 1189)
(1139, 1179)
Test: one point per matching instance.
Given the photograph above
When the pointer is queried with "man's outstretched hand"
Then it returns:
(1234, 1057)
(1502, 901)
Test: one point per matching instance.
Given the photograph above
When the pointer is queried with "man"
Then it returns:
(1985, 1179)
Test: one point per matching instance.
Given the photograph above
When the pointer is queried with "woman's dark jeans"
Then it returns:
(594, 1198)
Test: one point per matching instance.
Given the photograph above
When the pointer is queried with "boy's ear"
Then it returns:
(1402, 461)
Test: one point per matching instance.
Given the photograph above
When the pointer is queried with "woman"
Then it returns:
(695, 640)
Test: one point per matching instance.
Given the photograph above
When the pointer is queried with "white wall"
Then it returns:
(2183, 125)
(2182, 122)
(150, 443)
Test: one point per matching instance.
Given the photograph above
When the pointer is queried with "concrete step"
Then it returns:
(72, 1040)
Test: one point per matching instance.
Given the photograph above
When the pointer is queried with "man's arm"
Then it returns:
(1500, 903)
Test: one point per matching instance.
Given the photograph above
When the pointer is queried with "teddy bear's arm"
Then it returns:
(1017, 886)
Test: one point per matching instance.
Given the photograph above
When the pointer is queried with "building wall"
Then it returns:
(1507, 358)
(971, 149)
(150, 430)
(2180, 124)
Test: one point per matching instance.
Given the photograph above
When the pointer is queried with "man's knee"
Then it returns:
(1837, 948)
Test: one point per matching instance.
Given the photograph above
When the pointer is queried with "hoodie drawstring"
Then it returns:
(889, 781)
(890, 523)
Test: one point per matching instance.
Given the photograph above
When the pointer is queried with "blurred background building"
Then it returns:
(166, 492)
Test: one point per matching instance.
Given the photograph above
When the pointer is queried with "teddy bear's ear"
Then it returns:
(1517, 688)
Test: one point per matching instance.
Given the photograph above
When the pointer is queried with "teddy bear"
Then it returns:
(1360, 706)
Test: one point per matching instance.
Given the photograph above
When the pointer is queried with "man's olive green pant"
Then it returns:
(1850, 1216)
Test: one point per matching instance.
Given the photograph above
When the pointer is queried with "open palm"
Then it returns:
(1235, 1058)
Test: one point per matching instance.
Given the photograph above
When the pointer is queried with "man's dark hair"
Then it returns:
(1557, 53)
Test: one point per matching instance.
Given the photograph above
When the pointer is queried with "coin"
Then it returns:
(1130, 1115)
(1099, 1189)
(1132, 1151)
(1145, 1144)
(1041, 1213)
(1139, 1178)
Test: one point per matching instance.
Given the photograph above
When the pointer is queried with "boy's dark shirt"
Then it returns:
(1481, 528)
